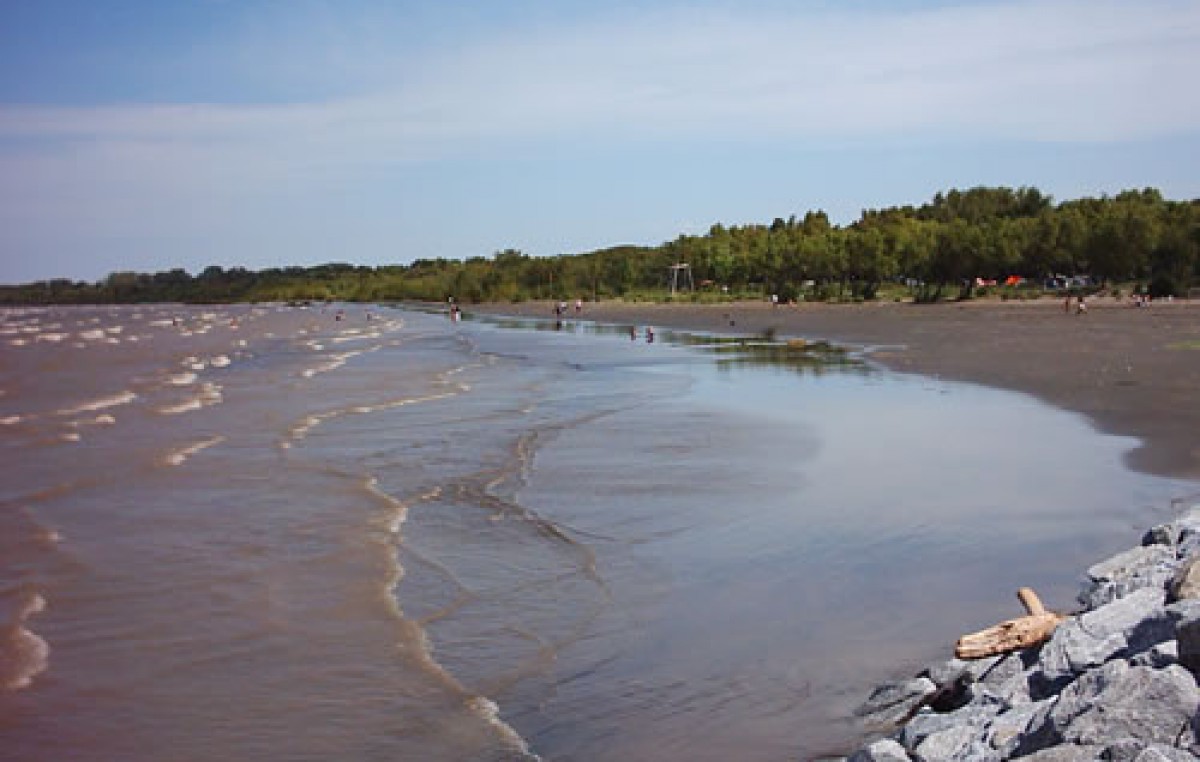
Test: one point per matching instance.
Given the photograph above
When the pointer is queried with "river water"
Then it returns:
(350, 532)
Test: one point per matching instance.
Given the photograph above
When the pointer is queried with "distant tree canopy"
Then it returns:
(946, 246)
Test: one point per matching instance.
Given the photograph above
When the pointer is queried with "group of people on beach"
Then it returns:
(560, 309)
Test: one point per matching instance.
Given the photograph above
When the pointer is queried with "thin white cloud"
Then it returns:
(1064, 70)
(1059, 70)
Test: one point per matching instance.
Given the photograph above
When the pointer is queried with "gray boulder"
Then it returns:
(955, 670)
(1130, 570)
(1161, 534)
(1163, 753)
(1008, 678)
(1133, 750)
(1160, 655)
(954, 744)
(885, 750)
(972, 718)
(1186, 616)
(1117, 702)
(1125, 627)
(1007, 728)
(893, 703)
(1185, 582)
(1187, 538)
(1066, 753)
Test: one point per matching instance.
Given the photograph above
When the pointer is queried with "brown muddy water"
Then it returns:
(275, 533)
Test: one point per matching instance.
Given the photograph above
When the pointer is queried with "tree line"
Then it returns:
(942, 249)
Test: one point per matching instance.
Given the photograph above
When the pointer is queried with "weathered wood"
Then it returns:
(1010, 635)
(1031, 601)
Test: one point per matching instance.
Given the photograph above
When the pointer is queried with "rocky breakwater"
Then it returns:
(1116, 681)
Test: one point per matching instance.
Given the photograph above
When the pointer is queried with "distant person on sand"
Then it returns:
(633, 333)
(1082, 306)
(578, 306)
(649, 335)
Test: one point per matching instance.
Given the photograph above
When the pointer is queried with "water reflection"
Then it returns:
(730, 352)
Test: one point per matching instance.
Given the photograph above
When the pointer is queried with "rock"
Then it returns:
(1185, 583)
(1067, 753)
(1118, 701)
(885, 750)
(1162, 534)
(959, 742)
(1162, 753)
(1006, 729)
(1124, 627)
(1186, 616)
(1160, 655)
(955, 670)
(1187, 538)
(1122, 574)
(1133, 750)
(1009, 678)
(974, 717)
(893, 703)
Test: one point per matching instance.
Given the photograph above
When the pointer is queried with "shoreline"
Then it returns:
(1132, 371)
(1116, 680)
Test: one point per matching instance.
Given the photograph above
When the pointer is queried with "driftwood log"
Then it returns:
(1022, 632)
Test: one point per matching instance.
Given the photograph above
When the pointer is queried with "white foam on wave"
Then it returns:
(123, 398)
(103, 419)
(93, 335)
(32, 653)
(182, 407)
(300, 429)
(480, 706)
(489, 712)
(71, 436)
(209, 394)
(18, 342)
(355, 336)
(180, 456)
(10, 420)
(336, 360)
(183, 379)
(53, 337)
(220, 361)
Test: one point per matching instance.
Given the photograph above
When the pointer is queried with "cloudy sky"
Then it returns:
(145, 134)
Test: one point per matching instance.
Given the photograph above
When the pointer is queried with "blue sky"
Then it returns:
(151, 134)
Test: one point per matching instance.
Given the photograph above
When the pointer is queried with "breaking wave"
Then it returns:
(30, 652)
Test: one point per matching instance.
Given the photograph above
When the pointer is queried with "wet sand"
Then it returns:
(1133, 371)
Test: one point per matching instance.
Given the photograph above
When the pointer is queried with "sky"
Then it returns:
(146, 135)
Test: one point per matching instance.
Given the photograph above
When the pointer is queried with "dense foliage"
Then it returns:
(946, 247)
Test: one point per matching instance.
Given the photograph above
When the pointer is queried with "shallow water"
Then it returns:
(279, 533)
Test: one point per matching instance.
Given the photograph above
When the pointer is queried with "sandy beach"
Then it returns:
(1134, 371)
